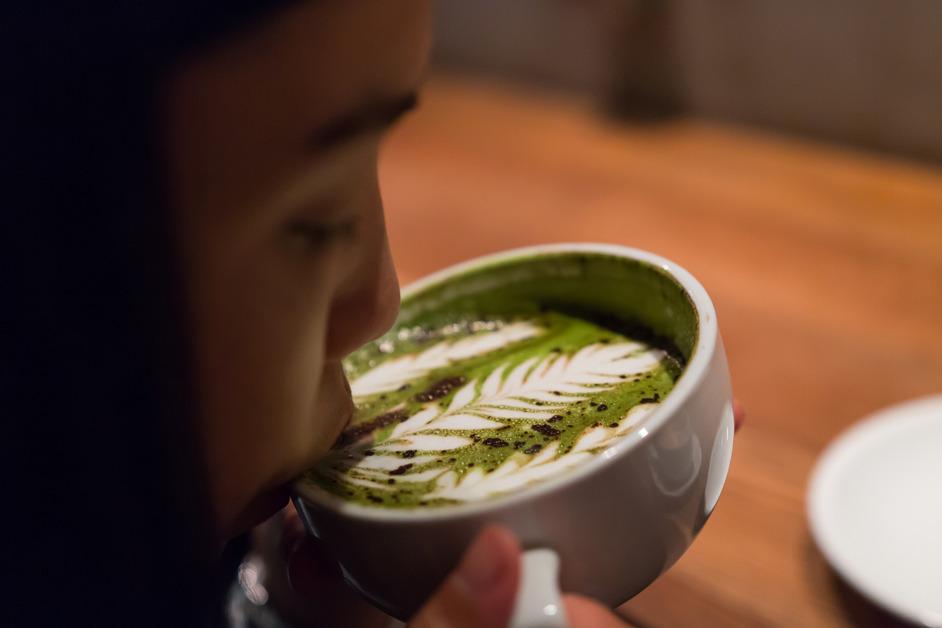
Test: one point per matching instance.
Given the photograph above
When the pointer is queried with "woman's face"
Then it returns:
(272, 140)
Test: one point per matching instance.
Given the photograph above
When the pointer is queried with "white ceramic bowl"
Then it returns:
(616, 522)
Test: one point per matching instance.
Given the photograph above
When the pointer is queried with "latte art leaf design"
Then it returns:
(394, 373)
(467, 418)
(534, 390)
(520, 471)
(531, 391)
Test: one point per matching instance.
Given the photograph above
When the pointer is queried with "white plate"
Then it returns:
(875, 508)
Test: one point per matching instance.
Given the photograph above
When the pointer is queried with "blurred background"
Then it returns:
(786, 153)
(865, 72)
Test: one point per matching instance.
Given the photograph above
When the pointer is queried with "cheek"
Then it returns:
(260, 333)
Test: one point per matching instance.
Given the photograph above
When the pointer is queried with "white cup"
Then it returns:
(613, 524)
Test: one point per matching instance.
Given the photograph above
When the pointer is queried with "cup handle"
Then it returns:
(539, 604)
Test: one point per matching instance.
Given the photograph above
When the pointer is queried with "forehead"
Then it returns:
(329, 55)
(246, 108)
(321, 56)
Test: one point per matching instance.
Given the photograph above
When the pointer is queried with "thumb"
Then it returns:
(586, 613)
(480, 593)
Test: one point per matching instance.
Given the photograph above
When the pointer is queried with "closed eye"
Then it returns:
(318, 234)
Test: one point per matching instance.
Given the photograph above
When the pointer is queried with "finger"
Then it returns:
(739, 414)
(583, 612)
(480, 592)
(310, 565)
(310, 568)
(320, 597)
(292, 528)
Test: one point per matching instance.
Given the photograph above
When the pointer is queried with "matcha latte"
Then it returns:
(477, 407)
(546, 390)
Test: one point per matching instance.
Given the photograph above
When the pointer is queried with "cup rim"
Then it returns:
(689, 381)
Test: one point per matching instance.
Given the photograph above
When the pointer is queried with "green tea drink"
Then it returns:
(480, 408)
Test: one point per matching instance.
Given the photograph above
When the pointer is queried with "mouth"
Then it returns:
(273, 500)
(337, 404)
(344, 426)
(343, 406)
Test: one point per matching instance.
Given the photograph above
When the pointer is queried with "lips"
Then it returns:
(342, 427)
(337, 401)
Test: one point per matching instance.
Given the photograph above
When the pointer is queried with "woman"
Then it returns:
(192, 241)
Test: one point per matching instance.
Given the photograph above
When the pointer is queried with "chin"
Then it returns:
(263, 507)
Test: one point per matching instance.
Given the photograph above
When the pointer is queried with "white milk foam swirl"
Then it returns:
(536, 389)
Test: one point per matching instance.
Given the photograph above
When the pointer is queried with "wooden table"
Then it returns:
(825, 265)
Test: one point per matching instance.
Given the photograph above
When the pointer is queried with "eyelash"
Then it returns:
(318, 235)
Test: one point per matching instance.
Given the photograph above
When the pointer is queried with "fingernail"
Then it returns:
(483, 564)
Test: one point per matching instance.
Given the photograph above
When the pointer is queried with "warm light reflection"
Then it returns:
(251, 572)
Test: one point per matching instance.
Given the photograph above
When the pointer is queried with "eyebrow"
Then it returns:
(375, 116)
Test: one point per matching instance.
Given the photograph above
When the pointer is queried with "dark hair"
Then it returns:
(107, 520)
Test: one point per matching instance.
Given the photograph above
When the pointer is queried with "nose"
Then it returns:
(368, 304)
